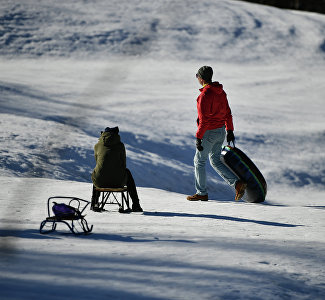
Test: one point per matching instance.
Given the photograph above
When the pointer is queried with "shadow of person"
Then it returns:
(218, 217)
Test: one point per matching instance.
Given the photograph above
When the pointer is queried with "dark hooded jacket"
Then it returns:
(110, 170)
(213, 109)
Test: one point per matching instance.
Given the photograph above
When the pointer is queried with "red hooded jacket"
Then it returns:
(213, 109)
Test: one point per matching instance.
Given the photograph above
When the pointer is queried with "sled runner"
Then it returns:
(110, 196)
(66, 210)
(239, 163)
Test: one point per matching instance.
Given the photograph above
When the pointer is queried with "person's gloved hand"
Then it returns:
(230, 136)
(199, 144)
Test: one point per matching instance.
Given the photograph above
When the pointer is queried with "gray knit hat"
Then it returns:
(205, 73)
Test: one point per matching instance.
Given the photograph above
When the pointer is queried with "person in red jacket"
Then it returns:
(214, 120)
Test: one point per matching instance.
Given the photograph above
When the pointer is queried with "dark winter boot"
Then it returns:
(136, 207)
(197, 197)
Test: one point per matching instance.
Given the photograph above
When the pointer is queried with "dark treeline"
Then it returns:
(308, 5)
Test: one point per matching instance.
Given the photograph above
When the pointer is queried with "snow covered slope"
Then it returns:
(219, 30)
(174, 250)
(110, 63)
(69, 69)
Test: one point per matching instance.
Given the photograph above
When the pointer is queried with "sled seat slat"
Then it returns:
(121, 189)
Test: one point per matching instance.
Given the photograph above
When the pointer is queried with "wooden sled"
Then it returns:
(110, 196)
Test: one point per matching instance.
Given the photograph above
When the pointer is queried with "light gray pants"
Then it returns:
(212, 144)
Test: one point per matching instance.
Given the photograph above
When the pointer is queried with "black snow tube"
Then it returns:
(240, 164)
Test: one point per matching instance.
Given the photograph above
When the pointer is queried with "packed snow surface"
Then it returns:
(70, 69)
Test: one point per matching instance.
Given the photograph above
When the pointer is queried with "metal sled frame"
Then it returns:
(52, 220)
(109, 196)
